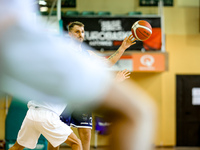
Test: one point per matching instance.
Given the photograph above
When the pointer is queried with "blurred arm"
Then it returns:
(133, 114)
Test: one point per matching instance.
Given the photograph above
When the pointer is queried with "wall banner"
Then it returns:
(106, 33)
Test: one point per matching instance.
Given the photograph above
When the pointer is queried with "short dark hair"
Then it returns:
(72, 24)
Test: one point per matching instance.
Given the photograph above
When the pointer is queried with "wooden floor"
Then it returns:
(157, 148)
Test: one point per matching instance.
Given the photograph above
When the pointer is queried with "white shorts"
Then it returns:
(42, 121)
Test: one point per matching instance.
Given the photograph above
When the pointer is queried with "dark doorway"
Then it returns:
(188, 110)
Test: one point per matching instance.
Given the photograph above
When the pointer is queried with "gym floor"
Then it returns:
(157, 148)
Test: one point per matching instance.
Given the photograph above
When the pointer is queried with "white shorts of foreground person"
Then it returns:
(40, 120)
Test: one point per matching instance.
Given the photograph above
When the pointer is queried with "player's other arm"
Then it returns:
(128, 41)
(122, 75)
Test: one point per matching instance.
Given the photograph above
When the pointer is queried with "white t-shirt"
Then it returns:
(57, 108)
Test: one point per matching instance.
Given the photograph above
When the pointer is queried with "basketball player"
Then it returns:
(76, 31)
(83, 120)
(37, 66)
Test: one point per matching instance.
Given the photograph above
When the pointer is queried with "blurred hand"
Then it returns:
(122, 75)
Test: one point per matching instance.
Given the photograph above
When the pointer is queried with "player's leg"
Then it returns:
(82, 120)
(85, 136)
(50, 147)
(16, 146)
(74, 142)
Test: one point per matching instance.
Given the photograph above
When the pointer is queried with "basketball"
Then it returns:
(141, 30)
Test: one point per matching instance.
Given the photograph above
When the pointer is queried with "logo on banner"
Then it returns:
(147, 60)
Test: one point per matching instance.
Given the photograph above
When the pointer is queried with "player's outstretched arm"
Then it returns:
(128, 41)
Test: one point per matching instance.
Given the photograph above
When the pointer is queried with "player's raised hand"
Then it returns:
(128, 41)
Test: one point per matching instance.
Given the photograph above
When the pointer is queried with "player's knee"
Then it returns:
(86, 137)
(77, 143)
(50, 147)
(85, 134)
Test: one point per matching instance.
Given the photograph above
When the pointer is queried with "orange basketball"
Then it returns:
(141, 30)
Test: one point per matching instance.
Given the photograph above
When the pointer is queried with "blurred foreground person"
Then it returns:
(37, 66)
